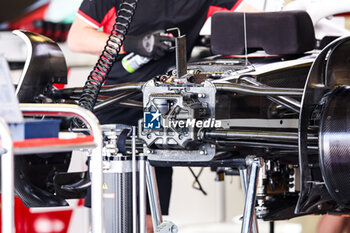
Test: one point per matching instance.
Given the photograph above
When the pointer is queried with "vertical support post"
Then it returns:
(244, 180)
(142, 194)
(243, 176)
(250, 200)
(134, 181)
(96, 190)
(96, 171)
(7, 179)
(221, 201)
(153, 195)
(272, 227)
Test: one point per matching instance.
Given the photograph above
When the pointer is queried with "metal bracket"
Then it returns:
(167, 227)
(181, 59)
(181, 53)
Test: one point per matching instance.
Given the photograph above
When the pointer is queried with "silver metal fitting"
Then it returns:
(167, 227)
(253, 159)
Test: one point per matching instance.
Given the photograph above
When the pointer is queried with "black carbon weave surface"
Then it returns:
(335, 145)
(288, 32)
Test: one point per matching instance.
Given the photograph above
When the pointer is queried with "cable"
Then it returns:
(109, 54)
(196, 181)
(245, 39)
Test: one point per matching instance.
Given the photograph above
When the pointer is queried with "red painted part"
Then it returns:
(36, 142)
(213, 9)
(344, 14)
(26, 21)
(61, 86)
(27, 222)
(109, 20)
(58, 86)
(50, 222)
(81, 202)
(56, 221)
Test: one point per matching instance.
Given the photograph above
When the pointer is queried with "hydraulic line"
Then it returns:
(109, 55)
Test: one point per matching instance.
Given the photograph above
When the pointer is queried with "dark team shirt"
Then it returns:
(150, 15)
(188, 15)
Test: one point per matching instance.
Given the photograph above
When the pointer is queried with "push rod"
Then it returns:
(254, 135)
(113, 100)
(288, 102)
(285, 146)
(104, 89)
(256, 90)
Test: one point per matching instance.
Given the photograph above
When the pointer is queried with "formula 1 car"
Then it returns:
(281, 115)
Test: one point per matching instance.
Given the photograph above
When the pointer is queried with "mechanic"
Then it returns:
(89, 33)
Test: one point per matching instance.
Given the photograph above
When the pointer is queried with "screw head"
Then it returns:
(203, 152)
(173, 229)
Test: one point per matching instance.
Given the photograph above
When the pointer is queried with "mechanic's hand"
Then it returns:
(152, 44)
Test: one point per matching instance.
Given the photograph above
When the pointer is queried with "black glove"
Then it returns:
(152, 44)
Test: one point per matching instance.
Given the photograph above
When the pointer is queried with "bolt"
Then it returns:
(251, 159)
(173, 229)
(149, 136)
